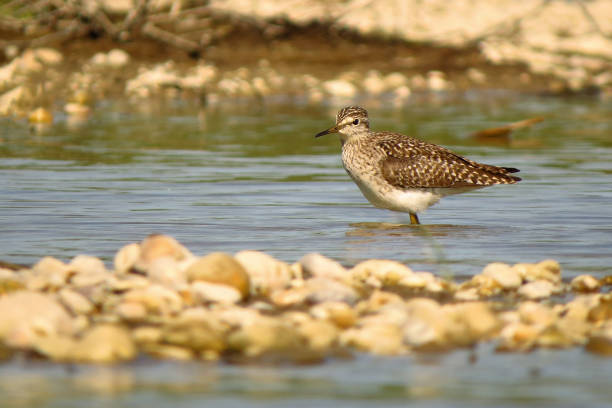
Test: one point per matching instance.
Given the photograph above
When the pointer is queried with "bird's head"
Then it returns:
(351, 122)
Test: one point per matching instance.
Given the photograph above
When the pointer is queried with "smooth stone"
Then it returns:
(517, 337)
(216, 293)
(319, 335)
(147, 334)
(585, 283)
(503, 274)
(54, 347)
(52, 270)
(157, 299)
(167, 271)
(85, 264)
(338, 313)
(40, 115)
(340, 88)
(75, 302)
(265, 335)
(158, 246)
(117, 58)
(131, 311)
(266, 273)
(220, 268)
(317, 265)
(549, 270)
(536, 314)
(169, 352)
(329, 290)
(473, 322)
(197, 335)
(539, 289)
(426, 324)
(380, 338)
(126, 258)
(384, 271)
(26, 315)
(104, 343)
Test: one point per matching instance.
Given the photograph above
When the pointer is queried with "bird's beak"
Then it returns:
(333, 129)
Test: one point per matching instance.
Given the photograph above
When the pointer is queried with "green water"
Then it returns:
(240, 176)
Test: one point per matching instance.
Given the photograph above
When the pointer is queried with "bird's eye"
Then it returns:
(356, 122)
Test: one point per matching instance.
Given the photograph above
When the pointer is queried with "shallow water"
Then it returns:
(251, 177)
(228, 178)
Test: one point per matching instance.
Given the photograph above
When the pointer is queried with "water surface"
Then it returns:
(228, 178)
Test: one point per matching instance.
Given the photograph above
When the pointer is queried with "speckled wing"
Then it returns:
(412, 163)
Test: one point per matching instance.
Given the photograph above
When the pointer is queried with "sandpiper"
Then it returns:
(402, 173)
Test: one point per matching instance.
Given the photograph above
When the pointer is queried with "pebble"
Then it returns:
(539, 289)
(381, 338)
(585, 283)
(317, 265)
(340, 88)
(27, 315)
(266, 274)
(220, 268)
(126, 258)
(207, 292)
(40, 115)
(503, 274)
(253, 306)
(104, 344)
(382, 272)
(75, 302)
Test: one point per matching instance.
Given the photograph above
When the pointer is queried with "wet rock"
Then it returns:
(55, 347)
(377, 273)
(436, 81)
(471, 322)
(75, 302)
(549, 270)
(319, 335)
(104, 344)
(426, 323)
(159, 246)
(536, 314)
(117, 58)
(503, 274)
(517, 337)
(220, 268)
(168, 272)
(539, 289)
(26, 315)
(373, 83)
(168, 352)
(217, 293)
(585, 283)
(157, 299)
(87, 265)
(340, 88)
(266, 273)
(48, 272)
(317, 265)
(131, 311)
(265, 335)
(126, 258)
(381, 338)
(338, 313)
(40, 115)
(147, 335)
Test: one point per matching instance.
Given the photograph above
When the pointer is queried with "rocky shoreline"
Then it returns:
(160, 300)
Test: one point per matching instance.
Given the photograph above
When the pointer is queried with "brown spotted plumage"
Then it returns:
(402, 173)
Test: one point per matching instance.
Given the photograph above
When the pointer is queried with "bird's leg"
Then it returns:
(414, 220)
